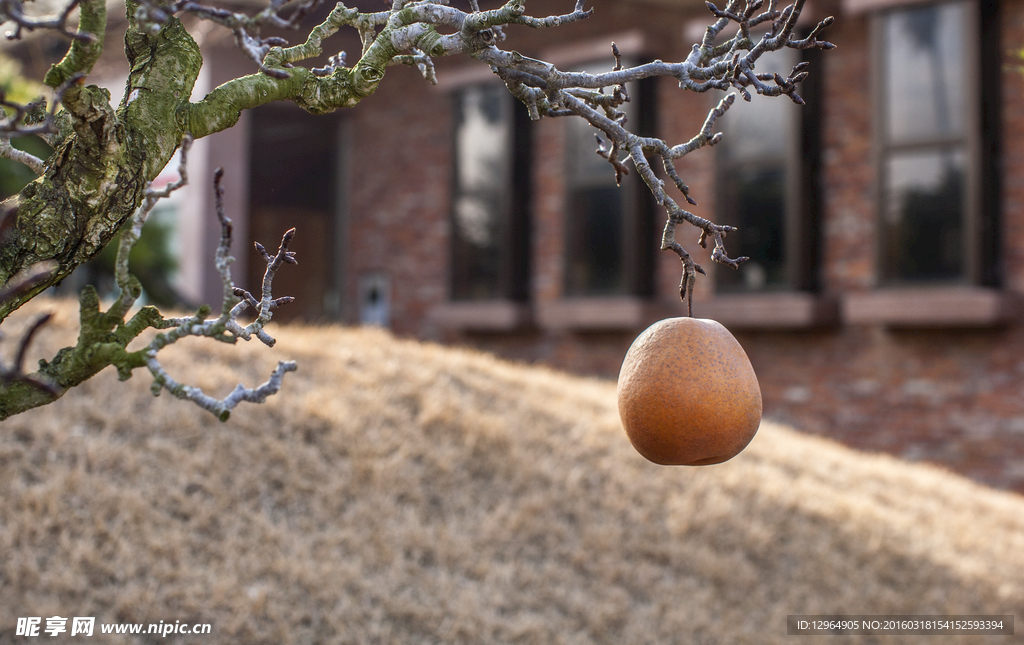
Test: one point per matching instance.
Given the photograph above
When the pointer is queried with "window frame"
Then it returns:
(514, 229)
(974, 268)
(802, 210)
(801, 304)
(637, 243)
(793, 163)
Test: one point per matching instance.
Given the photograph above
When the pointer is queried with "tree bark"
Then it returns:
(102, 160)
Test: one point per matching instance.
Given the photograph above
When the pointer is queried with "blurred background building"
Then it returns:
(884, 219)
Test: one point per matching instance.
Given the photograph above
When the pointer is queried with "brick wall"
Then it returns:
(948, 397)
(847, 172)
(399, 192)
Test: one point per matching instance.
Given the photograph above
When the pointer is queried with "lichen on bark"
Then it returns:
(95, 178)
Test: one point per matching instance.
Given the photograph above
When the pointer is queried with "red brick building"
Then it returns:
(885, 219)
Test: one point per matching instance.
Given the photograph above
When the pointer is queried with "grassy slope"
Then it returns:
(406, 493)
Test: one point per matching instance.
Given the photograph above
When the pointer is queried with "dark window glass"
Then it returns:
(293, 160)
(595, 240)
(924, 166)
(924, 214)
(758, 168)
(756, 197)
(490, 196)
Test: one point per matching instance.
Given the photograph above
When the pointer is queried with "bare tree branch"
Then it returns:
(130, 287)
(549, 92)
(13, 10)
(10, 152)
(226, 328)
(104, 336)
(221, 408)
(32, 118)
(15, 372)
(246, 29)
(27, 279)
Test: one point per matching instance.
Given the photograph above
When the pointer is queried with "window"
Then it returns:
(765, 185)
(490, 223)
(927, 137)
(609, 229)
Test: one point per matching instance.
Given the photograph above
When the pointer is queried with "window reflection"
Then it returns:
(605, 224)
(482, 139)
(754, 166)
(924, 145)
(758, 197)
(924, 214)
(924, 72)
(481, 205)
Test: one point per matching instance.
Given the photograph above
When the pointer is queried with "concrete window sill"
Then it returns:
(791, 310)
(931, 307)
(623, 313)
(483, 315)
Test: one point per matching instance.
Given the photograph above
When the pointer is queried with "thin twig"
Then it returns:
(13, 10)
(15, 372)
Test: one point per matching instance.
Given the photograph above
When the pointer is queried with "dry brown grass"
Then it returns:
(399, 492)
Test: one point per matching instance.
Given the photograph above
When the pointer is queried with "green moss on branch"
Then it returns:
(97, 175)
(102, 342)
(82, 54)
